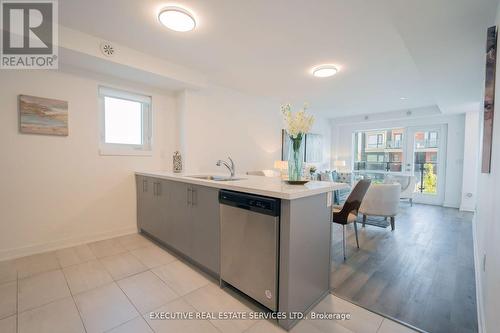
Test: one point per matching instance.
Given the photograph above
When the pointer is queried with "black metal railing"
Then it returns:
(378, 166)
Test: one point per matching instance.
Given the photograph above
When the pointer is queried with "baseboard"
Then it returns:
(468, 208)
(479, 288)
(63, 243)
(450, 205)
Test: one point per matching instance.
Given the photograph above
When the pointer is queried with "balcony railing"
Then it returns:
(422, 144)
(395, 144)
(378, 166)
(374, 145)
(387, 145)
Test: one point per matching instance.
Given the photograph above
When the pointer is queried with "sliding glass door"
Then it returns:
(427, 162)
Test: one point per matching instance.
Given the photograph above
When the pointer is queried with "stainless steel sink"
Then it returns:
(215, 178)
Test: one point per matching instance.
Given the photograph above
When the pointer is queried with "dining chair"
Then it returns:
(348, 212)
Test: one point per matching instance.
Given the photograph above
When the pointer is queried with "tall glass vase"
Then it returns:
(295, 158)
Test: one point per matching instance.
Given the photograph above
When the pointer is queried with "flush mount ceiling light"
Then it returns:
(177, 19)
(324, 70)
(403, 98)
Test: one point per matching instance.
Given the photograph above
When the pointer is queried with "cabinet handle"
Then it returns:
(144, 185)
(157, 189)
(189, 196)
(195, 197)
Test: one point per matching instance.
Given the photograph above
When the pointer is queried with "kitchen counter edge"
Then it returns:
(286, 192)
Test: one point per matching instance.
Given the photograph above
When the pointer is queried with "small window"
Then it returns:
(398, 139)
(125, 123)
(375, 140)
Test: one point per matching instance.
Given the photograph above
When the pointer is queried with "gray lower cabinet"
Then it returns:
(205, 226)
(177, 230)
(183, 216)
(150, 196)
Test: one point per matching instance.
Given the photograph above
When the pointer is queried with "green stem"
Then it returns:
(296, 165)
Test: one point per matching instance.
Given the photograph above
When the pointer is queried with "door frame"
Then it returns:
(441, 174)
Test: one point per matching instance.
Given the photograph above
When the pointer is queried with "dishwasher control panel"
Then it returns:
(263, 205)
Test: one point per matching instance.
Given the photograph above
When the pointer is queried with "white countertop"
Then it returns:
(266, 186)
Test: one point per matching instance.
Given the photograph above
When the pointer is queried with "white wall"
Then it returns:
(487, 235)
(342, 146)
(218, 122)
(58, 191)
(487, 231)
(471, 158)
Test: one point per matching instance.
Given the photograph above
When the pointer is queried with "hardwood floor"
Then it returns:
(421, 274)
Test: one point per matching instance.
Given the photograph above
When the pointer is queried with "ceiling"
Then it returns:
(429, 51)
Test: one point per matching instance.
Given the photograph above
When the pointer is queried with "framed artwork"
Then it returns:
(489, 99)
(314, 148)
(39, 115)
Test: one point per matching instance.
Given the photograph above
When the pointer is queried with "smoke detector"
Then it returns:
(107, 49)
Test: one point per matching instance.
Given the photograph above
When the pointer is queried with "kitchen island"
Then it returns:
(183, 213)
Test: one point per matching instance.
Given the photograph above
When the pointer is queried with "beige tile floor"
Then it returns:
(113, 285)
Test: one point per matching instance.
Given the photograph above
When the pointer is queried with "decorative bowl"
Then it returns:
(296, 182)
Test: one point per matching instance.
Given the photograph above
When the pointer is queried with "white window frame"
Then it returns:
(377, 131)
(145, 149)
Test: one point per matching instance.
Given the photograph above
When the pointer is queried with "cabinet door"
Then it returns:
(144, 203)
(178, 226)
(157, 214)
(205, 220)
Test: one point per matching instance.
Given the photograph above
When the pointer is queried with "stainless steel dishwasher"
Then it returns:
(249, 236)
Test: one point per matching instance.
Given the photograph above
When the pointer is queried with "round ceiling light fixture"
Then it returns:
(324, 70)
(177, 19)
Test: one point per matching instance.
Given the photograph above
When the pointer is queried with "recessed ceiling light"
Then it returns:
(324, 70)
(403, 98)
(177, 19)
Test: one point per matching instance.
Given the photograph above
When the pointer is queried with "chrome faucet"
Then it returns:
(230, 167)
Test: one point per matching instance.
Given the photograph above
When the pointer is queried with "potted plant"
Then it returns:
(312, 170)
